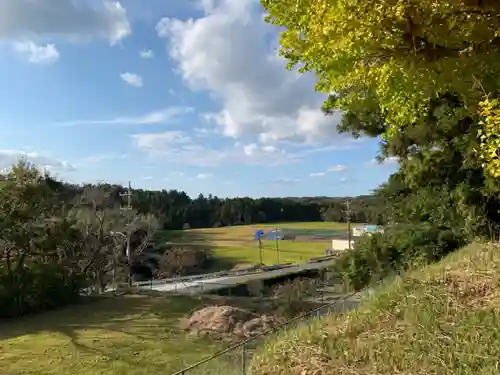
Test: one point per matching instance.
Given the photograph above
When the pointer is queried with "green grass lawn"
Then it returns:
(128, 335)
(237, 244)
(443, 319)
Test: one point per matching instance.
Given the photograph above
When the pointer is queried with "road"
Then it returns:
(215, 283)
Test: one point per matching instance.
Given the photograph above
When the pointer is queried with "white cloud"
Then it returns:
(37, 54)
(10, 157)
(147, 54)
(98, 158)
(177, 147)
(203, 176)
(286, 181)
(227, 52)
(132, 79)
(317, 174)
(73, 20)
(337, 168)
(161, 116)
(391, 160)
(155, 143)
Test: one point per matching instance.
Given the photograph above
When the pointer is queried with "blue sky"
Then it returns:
(169, 94)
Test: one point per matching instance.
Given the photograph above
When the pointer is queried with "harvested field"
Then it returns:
(237, 244)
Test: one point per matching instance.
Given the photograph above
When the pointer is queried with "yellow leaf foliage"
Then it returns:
(489, 136)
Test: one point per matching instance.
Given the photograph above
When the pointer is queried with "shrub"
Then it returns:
(290, 297)
(380, 255)
(184, 261)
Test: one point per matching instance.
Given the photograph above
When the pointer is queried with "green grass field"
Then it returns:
(442, 319)
(128, 335)
(237, 244)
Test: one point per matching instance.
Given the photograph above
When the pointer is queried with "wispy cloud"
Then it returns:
(153, 142)
(391, 160)
(337, 168)
(147, 54)
(333, 169)
(161, 116)
(317, 174)
(286, 181)
(37, 54)
(132, 79)
(10, 157)
(98, 158)
(179, 147)
(203, 176)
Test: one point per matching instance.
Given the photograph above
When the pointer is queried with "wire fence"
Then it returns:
(236, 360)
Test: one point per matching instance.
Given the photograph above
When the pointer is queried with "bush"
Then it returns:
(290, 297)
(183, 261)
(41, 287)
(380, 255)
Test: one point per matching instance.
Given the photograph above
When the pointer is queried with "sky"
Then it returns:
(169, 94)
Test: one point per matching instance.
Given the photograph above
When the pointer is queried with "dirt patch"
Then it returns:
(227, 321)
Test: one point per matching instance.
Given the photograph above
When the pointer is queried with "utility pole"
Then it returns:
(348, 219)
(277, 246)
(260, 249)
(128, 207)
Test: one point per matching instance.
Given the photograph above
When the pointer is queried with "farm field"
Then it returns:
(237, 244)
(127, 335)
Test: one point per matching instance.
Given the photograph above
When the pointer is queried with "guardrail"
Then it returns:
(243, 271)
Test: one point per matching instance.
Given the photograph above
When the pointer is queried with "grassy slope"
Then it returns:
(237, 244)
(442, 320)
(127, 335)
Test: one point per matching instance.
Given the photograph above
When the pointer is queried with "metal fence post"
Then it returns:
(243, 359)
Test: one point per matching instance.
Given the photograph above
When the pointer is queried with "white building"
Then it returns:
(366, 229)
(339, 244)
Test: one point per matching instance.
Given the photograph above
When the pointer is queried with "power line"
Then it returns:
(128, 207)
(348, 219)
(127, 194)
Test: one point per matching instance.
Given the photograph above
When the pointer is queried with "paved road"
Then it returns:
(212, 284)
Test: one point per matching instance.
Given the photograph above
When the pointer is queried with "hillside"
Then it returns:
(440, 320)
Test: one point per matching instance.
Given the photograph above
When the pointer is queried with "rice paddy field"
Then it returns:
(237, 244)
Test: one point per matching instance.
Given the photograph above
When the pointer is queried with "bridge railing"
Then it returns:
(231, 273)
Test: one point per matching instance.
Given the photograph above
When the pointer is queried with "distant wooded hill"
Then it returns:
(175, 208)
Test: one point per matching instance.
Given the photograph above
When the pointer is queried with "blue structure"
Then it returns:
(259, 234)
(275, 235)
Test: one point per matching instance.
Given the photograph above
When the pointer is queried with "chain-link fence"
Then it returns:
(236, 360)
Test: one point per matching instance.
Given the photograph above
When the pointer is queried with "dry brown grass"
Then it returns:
(442, 320)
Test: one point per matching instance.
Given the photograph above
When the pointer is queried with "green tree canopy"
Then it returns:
(423, 75)
(402, 51)
(384, 62)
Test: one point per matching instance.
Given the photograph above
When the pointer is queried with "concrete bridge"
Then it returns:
(214, 282)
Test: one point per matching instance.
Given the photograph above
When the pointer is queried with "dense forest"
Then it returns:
(176, 210)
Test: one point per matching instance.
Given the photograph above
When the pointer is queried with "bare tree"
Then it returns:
(106, 230)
